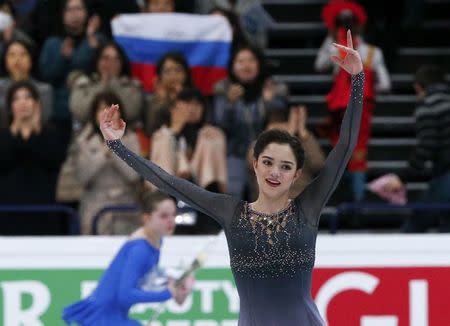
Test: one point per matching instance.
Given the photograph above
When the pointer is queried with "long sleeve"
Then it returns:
(383, 80)
(132, 270)
(312, 200)
(221, 207)
(426, 134)
(314, 161)
(53, 66)
(9, 151)
(46, 94)
(83, 53)
(323, 61)
(49, 148)
(314, 156)
(127, 173)
(223, 113)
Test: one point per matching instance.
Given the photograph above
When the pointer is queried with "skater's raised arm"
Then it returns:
(312, 200)
(219, 206)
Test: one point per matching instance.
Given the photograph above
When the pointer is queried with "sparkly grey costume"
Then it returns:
(272, 256)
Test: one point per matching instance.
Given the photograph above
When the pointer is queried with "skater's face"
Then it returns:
(276, 170)
(162, 219)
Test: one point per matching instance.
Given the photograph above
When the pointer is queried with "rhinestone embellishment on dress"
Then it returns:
(270, 224)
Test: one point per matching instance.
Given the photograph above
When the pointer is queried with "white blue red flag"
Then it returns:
(204, 40)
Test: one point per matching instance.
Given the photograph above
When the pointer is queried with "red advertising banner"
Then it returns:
(389, 296)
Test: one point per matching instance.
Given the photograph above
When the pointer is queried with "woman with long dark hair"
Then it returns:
(105, 179)
(240, 106)
(31, 154)
(172, 76)
(109, 71)
(18, 63)
(72, 50)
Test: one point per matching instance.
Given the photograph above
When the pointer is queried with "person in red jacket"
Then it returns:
(340, 16)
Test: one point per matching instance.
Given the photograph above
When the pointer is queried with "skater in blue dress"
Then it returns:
(120, 285)
(271, 241)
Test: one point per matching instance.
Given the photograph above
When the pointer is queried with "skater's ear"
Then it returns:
(255, 164)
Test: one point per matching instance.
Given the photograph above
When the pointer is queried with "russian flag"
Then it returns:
(204, 40)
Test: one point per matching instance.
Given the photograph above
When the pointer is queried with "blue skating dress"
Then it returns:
(119, 288)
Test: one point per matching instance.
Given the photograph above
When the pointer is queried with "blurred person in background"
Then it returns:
(23, 10)
(240, 106)
(8, 27)
(199, 148)
(18, 63)
(159, 6)
(107, 10)
(72, 50)
(239, 37)
(31, 154)
(340, 16)
(172, 76)
(129, 279)
(105, 178)
(255, 21)
(188, 147)
(109, 70)
(432, 117)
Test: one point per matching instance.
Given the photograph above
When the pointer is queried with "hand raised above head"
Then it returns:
(111, 127)
(351, 62)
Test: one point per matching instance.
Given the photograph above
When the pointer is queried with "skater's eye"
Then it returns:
(267, 162)
(286, 167)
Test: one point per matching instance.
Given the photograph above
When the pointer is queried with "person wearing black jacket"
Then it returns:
(31, 154)
(432, 117)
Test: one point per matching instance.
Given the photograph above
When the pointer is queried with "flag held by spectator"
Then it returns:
(204, 40)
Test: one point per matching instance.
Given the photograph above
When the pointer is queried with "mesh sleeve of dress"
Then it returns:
(312, 200)
(221, 207)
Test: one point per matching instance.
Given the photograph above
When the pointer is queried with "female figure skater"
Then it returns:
(119, 287)
(272, 240)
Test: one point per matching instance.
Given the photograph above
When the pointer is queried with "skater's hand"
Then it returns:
(352, 61)
(111, 126)
(182, 291)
